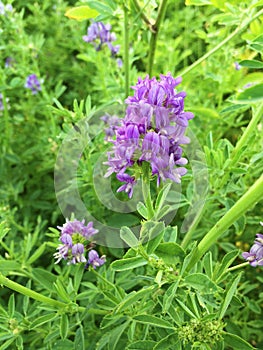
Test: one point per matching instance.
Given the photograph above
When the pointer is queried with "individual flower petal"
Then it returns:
(94, 260)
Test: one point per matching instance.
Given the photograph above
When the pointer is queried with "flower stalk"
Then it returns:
(30, 293)
(257, 114)
(246, 202)
(154, 35)
(236, 32)
(126, 50)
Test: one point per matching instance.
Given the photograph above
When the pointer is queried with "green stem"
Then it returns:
(248, 200)
(30, 293)
(34, 295)
(226, 40)
(7, 124)
(154, 35)
(126, 50)
(146, 191)
(142, 15)
(243, 141)
(233, 268)
(234, 159)
(188, 236)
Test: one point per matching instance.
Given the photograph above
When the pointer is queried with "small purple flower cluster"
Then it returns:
(255, 255)
(99, 34)
(33, 84)
(152, 131)
(112, 122)
(1, 102)
(5, 8)
(2, 107)
(75, 237)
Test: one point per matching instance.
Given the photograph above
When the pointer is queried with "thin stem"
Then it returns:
(30, 293)
(154, 36)
(233, 268)
(226, 40)
(247, 201)
(188, 236)
(234, 158)
(126, 50)
(142, 15)
(243, 141)
(6, 121)
(146, 191)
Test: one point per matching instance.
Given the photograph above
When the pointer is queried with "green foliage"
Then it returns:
(145, 296)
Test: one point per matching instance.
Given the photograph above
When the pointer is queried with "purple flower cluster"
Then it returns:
(99, 34)
(33, 84)
(255, 255)
(1, 102)
(112, 122)
(75, 236)
(2, 107)
(152, 131)
(5, 8)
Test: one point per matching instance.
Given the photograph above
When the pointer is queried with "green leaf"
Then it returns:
(229, 295)
(128, 237)
(63, 345)
(201, 282)
(186, 309)
(3, 230)
(170, 234)
(133, 297)
(42, 320)
(197, 2)
(7, 266)
(169, 296)
(45, 278)
(162, 196)
(236, 343)
(142, 210)
(169, 342)
(153, 321)
(37, 254)
(153, 243)
(223, 266)
(61, 291)
(251, 64)
(11, 305)
(204, 112)
(251, 95)
(128, 264)
(79, 341)
(170, 252)
(142, 345)
(115, 335)
(6, 344)
(81, 13)
(64, 326)
(208, 264)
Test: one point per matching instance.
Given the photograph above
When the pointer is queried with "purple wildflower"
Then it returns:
(75, 236)
(33, 84)
(111, 122)
(255, 255)
(152, 131)
(9, 62)
(99, 33)
(5, 8)
(94, 260)
(2, 105)
(1, 102)
(237, 66)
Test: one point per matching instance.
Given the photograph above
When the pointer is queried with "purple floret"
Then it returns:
(255, 255)
(152, 131)
(33, 84)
